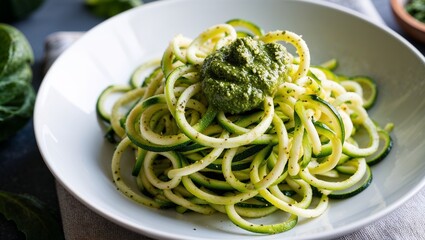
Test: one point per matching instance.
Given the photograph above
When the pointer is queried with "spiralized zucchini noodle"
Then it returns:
(311, 140)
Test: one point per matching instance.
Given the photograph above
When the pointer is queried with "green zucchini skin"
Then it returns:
(385, 148)
(356, 189)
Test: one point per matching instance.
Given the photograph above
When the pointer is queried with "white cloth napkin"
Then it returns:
(80, 223)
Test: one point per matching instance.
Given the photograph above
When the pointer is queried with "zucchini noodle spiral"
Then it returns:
(310, 141)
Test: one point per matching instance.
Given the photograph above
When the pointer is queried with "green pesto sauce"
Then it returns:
(237, 77)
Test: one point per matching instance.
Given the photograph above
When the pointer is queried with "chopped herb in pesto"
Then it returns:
(416, 8)
(238, 77)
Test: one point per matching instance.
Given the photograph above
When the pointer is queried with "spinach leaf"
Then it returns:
(31, 216)
(16, 10)
(17, 95)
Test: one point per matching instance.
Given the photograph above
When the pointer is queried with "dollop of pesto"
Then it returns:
(236, 78)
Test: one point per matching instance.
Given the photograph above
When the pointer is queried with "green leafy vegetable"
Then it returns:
(31, 216)
(416, 8)
(17, 95)
(15, 10)
(109, 8)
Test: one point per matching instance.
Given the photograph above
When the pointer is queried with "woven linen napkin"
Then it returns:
(80, 223)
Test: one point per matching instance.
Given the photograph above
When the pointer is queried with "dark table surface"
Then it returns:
(22, 169)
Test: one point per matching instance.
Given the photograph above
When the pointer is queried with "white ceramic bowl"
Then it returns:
(71, 140)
